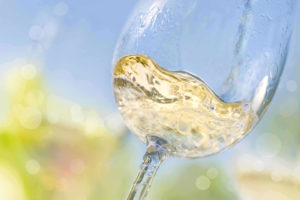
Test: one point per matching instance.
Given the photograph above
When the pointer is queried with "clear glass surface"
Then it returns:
(232, 45)
(237, 48)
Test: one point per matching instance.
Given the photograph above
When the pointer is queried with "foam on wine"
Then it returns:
(178, 107)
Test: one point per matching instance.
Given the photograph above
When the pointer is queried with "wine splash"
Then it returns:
(177, 107)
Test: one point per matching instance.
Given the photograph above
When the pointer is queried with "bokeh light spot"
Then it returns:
(203, 183)
(30, 118)
(61, 9)
(50, 29)
(28, 71)
(35, 98)
(33, 167)
(212, 173)
(93, 123)
(258, 165)
(36, 33)
(291, 85)
(115, 123)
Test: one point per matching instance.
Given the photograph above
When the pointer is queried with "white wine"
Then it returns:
(177, 107)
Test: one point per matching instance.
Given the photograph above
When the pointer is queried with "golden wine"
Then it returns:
(177, 107)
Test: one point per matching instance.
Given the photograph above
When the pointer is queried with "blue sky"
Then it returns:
(76, 59)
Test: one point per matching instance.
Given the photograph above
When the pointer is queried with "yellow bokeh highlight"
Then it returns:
(51, 142)
(11, 187)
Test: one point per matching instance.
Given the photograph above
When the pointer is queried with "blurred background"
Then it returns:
(61, 136)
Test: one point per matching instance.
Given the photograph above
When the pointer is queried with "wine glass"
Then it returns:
(192, 78)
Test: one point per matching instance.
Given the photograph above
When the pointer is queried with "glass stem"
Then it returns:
(156, 153)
